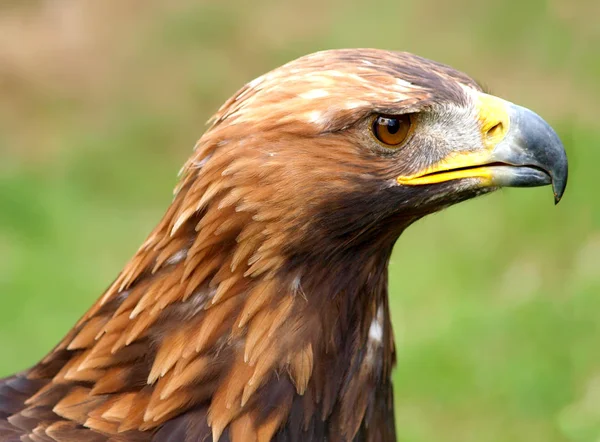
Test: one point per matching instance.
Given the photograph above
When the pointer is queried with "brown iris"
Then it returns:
(391, 130)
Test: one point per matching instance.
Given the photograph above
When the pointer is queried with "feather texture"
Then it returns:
(256, 310)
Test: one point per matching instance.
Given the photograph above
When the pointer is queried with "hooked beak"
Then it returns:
(519, 150)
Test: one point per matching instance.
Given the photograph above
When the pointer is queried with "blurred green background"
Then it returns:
(496, 302)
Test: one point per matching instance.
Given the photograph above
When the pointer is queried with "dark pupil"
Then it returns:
(392, 124)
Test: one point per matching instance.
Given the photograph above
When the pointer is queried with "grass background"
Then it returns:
(495, 302)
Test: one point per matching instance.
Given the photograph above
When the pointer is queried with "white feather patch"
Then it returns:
(376, 328)
(314, 93)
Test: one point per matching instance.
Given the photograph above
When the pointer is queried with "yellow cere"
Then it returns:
(493, 119)
(494, 123)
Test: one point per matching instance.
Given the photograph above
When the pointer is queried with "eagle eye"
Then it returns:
(391, 130)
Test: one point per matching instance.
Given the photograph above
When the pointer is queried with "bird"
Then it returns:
(257, 309)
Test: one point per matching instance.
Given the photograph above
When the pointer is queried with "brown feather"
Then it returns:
(246, 312)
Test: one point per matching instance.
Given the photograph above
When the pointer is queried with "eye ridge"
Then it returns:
(391, 130)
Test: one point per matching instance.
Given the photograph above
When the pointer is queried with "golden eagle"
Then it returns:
(257, 309)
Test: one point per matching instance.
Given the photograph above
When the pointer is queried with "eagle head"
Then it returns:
(345, 148)
(257, 309)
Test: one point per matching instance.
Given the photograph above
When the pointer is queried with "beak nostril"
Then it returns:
(495, 131)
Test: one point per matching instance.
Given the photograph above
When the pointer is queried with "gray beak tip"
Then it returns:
(535, 143)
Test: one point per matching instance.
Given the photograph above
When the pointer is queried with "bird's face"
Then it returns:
(371, 140)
